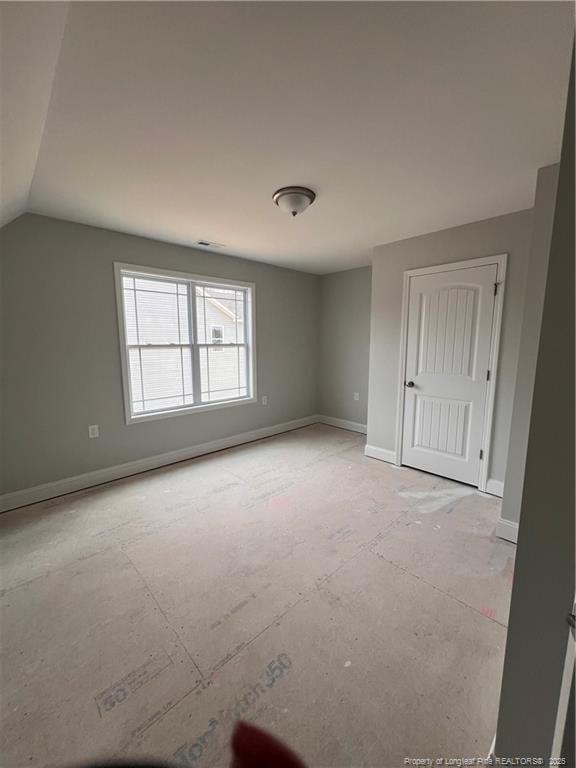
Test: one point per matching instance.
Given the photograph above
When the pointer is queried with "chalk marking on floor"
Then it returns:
(169, 624)
(438, 589)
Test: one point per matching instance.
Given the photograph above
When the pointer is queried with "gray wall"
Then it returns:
(542, 220)
(543, 589)
(61, 354)
(344, 344)
(503, 234)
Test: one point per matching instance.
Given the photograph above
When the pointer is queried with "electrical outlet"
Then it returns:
(264, 399)
(93, 430)
(356, 395)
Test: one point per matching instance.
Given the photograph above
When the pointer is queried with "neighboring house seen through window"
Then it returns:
(186, 341)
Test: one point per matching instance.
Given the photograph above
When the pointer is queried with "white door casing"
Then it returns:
(451, 331)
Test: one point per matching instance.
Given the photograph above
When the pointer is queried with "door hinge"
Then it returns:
(487, 375)
(495, 289)
(481, 454)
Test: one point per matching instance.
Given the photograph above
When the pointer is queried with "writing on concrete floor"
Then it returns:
(191, 751)
(118, 693)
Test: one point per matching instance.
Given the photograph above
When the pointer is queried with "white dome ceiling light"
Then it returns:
(294, 200)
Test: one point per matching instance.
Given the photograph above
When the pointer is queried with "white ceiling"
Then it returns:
(179, 120)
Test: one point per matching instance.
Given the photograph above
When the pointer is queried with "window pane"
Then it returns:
(201, 320)
(186, 354)
(160, 378)
(160, 318)
(135, 377)
(220, 308)
(222, 373)
(163, 286)
(183, 318)
(242, 366)
(240, 329)
(163, 403)
(130, 317)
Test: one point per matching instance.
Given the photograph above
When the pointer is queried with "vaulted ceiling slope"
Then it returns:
(178, 121)
(30, 39)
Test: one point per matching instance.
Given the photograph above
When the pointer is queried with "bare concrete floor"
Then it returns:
(355, 609)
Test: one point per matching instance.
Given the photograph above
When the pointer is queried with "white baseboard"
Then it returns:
(99, 476)
(353, 426)
(495, 487)
(506, 529)
(380, 453)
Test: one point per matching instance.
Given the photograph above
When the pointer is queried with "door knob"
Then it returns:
(408, 383)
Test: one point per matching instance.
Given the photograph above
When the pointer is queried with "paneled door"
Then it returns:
(450, 317)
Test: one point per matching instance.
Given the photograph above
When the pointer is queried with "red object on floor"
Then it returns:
(254, 748)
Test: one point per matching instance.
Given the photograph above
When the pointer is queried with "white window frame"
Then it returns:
(120, 270)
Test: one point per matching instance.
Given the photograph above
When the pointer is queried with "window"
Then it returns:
(217, 334)
(186, 341)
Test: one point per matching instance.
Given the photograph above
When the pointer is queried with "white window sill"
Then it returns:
(201, 408)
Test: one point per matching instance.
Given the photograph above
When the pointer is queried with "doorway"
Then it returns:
(450, 337)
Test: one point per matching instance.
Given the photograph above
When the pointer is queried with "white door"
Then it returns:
(447, 358)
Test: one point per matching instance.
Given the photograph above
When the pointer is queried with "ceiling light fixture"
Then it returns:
(293, 200)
